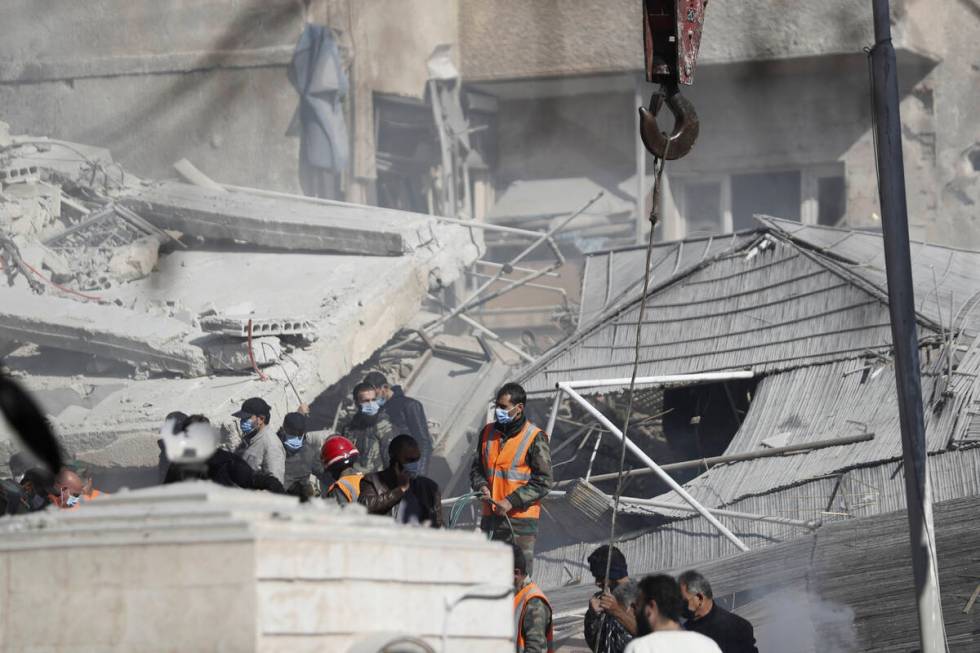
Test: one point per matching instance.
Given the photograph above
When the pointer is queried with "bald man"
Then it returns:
(68, 487)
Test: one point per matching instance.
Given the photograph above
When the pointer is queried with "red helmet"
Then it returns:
(337, 449)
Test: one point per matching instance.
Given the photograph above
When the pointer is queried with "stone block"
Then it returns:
(135, 260)
(176, 568)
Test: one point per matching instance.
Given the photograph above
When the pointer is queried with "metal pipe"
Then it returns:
(469, 302)
(539, 286)
(901, 307)
(666, 379)
(553, 415)
(748, 455)
(515, 268)
(721, 512)
(493, 336)
(664, 476)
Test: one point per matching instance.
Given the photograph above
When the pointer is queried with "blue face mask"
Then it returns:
(248, 425)
(502, 416)
(413, 469)
(294, 443)
(72, 501)
(381, 401)
(370, 408)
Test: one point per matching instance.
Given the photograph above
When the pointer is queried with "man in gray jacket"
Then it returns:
(260, 447)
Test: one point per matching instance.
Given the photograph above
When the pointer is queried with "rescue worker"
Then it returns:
(532, 611)
(400, 490)
(339, 455)
(369, 429)
(89, 491)
(260, 447)
(68, 487)
(407, 415)
(302, 458)
(512, 470)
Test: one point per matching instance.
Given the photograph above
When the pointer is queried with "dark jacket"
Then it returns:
(730, 632)
(605, 633)
(408, 416)
(299, 465)
(226, 468)
(381, 496)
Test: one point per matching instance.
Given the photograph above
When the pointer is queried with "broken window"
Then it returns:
(769, 193)
(407, 153)
(708, 204)
(831, 201)
(671, 425)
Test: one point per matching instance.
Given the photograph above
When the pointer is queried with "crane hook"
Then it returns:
(686, 124)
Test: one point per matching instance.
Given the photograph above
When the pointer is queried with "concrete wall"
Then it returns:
(198, 567)
(507, 39)
(775, 87)
(206, 80)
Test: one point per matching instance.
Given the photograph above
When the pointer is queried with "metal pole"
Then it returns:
(665, 379)
(664, 476)
(553, 415)
(542, 238)
(901, 307)
(738, 457)
(493, 336)
(733, 514)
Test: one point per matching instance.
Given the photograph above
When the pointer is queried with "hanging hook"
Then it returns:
(686, 124)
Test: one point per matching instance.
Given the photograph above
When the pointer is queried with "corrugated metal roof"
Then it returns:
(861, 492)
(615, 276)
(767, 308)
(822, 402)
(946, 279)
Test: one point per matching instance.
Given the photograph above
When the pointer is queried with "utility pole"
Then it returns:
(901, 307)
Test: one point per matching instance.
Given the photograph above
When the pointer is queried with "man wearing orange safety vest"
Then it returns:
(339, 455)
(532, 611)
(512, 470)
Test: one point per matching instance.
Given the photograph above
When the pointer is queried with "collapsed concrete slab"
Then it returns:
(149, 342)
(281, 222)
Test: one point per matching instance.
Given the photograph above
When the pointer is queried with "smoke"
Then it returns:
(802, 622)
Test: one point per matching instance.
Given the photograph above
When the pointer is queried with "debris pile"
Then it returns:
(152, 292)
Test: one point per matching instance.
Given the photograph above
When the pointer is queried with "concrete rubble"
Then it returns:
(149, 292)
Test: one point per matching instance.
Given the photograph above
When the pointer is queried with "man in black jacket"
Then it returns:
(732, 633)
(399, 490)
(407, 414)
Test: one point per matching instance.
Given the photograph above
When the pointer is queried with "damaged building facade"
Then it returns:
(513, 112)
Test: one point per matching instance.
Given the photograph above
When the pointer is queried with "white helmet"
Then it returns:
(194, 444)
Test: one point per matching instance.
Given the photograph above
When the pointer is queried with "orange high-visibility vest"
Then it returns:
(349, 486)
(528, 592)
(506, 466)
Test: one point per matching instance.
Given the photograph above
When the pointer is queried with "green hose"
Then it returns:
(463, 501)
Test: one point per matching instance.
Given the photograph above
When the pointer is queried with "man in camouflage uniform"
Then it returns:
(512, 470)
(369, 430)
(532, 611)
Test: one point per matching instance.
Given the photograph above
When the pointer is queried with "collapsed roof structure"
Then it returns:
(803, 311)
(128, 299)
